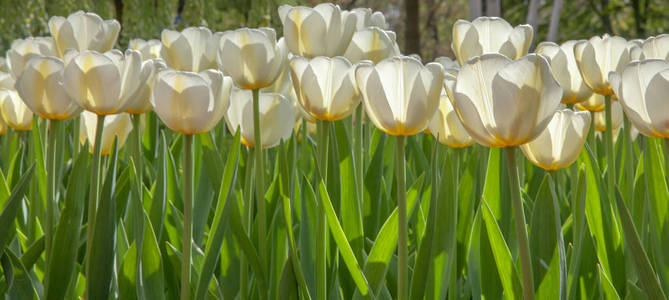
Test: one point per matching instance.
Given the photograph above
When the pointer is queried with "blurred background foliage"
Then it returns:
(146, 18)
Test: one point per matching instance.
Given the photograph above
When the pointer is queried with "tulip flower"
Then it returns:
(324, 30)
(14, 112)
(400, 94)
(642, 91)
(561, 142)
(446, 127)
(490, 35)
(450, 66)
(634, 47)
(6, 81)
(3, 65)
(115, 126)
(565, 70)
(191, 103)
(325, 87)
(284, 85)
(599, 56)
(193, 49)
(83, 31)
(139, 102)
(3, 126)
(616, 118)
(505, 103)
(372, 43)
(366, 18)
(251, 57)
(104, 83)
(656, 47)
(276, 117)
(41, 88)
(594, 103)
(23, 49)
(149, 49)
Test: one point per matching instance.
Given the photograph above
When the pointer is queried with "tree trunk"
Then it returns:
(493, 8)
(533, 14)
(118, 6)
(555, 21)
(474, 9)
(411, 31)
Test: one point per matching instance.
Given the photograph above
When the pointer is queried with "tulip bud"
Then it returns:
(446, 127)
(561, 142)
(565, 70)
(83, 31)
(642, 90)
(115, 126)
(400, 94)
(372, 43)
(277, 117)
(490, 35)
(505, 103)
(324, 30)
(149, 49)
(325, 87)
(193, 49)
(41, 88)
(251, 57)
(22, 50)
(15, 113)
(599, 56)
(104, 83)
(366, 18)
(191, 103)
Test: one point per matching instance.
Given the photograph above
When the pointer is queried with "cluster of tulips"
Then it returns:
(331, 64)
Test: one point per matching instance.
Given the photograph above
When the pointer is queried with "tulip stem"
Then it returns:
(521, 230)
(321, 224)
(94, 192)
(51, 204)
(358, 157)
(592, 140)
(248, 212)
(188, 205)
(608, 144)
(259, 167)
(402, 246)
(138, 208)
(666, 155)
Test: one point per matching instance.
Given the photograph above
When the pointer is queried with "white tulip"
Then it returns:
(450, 66)
(490, 35)
(656, 47)
(14, 112)
(23, 49)
(446, 126)
(193, 49)
(324, 30)
(83, 31)
(276, 113)
(115, 126)
(372, 43)
(366, 18)
(6, 81)
(191, 103)
(594, 103)
(565, 70)
(599, 56)
(149, 49)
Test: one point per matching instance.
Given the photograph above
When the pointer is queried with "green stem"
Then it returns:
(51, 204)
(188, 222)
(402, 246)
(260, 188)
(592, 140)
(138, 209)
(665, 147)
(321, 224)
(248, 216)
(358, 156)
(521, 230)
(94, 191)
(610, 157)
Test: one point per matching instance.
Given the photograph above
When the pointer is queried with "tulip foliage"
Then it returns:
(316, 161)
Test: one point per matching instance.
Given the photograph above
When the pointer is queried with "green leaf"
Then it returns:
(152, 267)
(68, 230)
(578, 214)
(606, 288)
(12, 206)
(507, 270)
(343, 245)
(21, 286)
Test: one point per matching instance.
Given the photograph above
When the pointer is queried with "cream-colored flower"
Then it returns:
(149, 49)
(23, 49)
(83, 31)
(365, 17)
(594, 103)
(446, 127)
(642, 90)
(372, 43)
(252, 57)
(324, 30)
(616, 118)
(284, 85)
(115, 126)
(191, 103)
(277, 117)
(41, 88)
(634, 47)
(15, 113)
(3, 65)
(656, 47)
(140, 101)
(565, 70)
(6, 81)
(561, 142)
(193, 49)
(490, 35)
(104, 83)
(450, 66)
(325, 87)
(599, 56)
(505, 103)
(400, 94)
